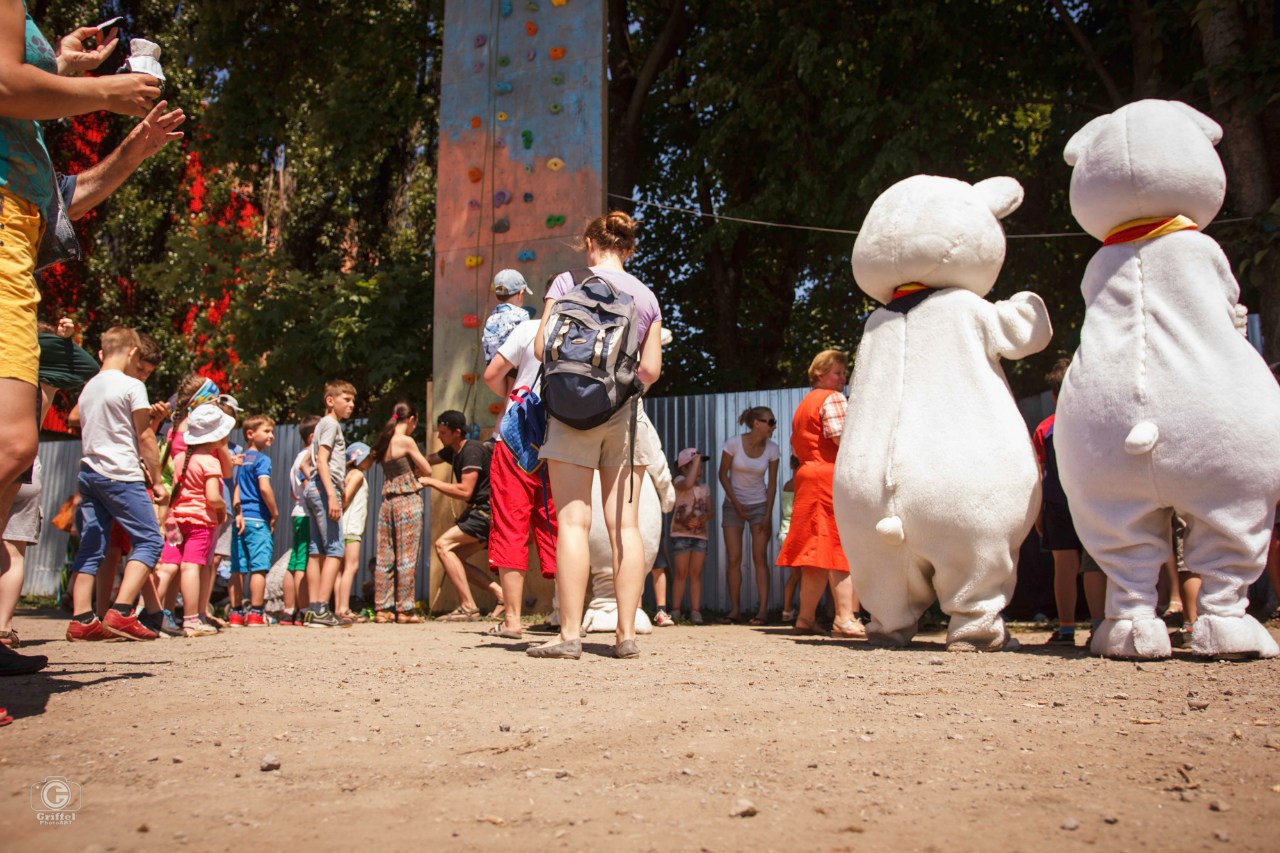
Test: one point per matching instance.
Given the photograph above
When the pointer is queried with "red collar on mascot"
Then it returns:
(1147, 229)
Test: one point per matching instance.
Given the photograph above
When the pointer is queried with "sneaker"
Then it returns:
(126, 626)
(662, 619)
(287, 617)
(323, 619)
(1061, 638)
(153, 622)
(197, 628)
(169, 626)
(79, 632)
(236, 618)
(254, 620)
(696, 617)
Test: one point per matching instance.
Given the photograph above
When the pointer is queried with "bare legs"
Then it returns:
(733, 569)
(11, 582)
(347, 577)
(688, 566)
(512, 582)
(571, 485)
(1066, 566)
(453, 548)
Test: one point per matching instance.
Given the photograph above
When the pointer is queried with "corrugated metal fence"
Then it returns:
(705, 421)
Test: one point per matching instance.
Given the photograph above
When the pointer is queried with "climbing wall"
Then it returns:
(521, 168)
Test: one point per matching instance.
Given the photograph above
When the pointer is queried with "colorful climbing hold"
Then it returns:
(502, 116)
(475, 121)
(530, 28)
(531, 6)
(502, 88)
(555, 109)
(501, 197)
(553, 221)
(481, 40)
(474, 261)
(496, 408)
(474, 174)
(473, 204)
(557, 54)
(470, 321)
(527, 137)
(531, 55)
(469, 378)
(558, 2)
(499, 143)
(526, 255)
(502, 226)
(504, 61)
(528, 197)
(477, 67)
(528, 168)
(506, 8)
(557, 79)
(555, 164)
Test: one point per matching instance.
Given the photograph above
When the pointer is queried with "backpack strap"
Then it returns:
(580, 275)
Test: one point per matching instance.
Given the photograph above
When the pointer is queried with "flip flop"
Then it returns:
(499, 631)
(757, 622)
(5, 719)
(461, 614)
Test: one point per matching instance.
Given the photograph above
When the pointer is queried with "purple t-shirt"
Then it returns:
(647, 310)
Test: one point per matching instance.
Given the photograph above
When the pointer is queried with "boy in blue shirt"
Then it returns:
(254, 505)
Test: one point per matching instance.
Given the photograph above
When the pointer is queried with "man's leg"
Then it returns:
(453, 547)
(1066, 567)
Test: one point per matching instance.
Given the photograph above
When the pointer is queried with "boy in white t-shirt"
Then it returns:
(520, 500)
(120, 457)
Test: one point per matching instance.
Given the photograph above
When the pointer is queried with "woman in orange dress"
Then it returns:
(813, 542)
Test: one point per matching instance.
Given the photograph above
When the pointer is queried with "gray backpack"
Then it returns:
(590, 354)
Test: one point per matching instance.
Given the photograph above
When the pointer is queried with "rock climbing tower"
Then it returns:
(521, 168)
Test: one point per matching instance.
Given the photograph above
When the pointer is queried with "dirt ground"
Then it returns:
(397, 737)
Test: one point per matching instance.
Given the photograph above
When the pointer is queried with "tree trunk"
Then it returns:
(1244, 152)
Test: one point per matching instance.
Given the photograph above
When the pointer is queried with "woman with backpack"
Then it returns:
(630, 345)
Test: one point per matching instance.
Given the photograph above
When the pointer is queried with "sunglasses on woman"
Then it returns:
(773, 422)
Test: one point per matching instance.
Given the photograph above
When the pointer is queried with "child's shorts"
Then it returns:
(197, 545)
(326, 533)
(729, 516)
(301, 541)
(687, 544)
(1059, 530)
(352, 537)
(251, 550)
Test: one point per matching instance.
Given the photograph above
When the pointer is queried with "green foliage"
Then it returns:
(312, 134)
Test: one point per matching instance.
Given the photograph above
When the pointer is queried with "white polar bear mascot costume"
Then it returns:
(936, 483)
(1166, 407)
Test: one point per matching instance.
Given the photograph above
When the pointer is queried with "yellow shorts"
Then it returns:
(21, 227)
(605, 446)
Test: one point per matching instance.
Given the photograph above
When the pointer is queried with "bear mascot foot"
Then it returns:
(971, 642)
(878, 635)
(1232, 638)
(1145, 638)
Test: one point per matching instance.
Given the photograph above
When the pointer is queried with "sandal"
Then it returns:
(10, 639)
(499, 631)
(851, 630)
(810, 630)
(384, 617)
(460, 614)
(409, 618)
(758, 621)
(352, 617)
(788, 616)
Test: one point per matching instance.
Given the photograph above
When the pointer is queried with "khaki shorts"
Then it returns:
(605, 446)
(20, 230)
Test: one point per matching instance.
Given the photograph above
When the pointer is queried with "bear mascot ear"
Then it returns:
(1001, 195)
(1208, 126)
(1078, 143)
